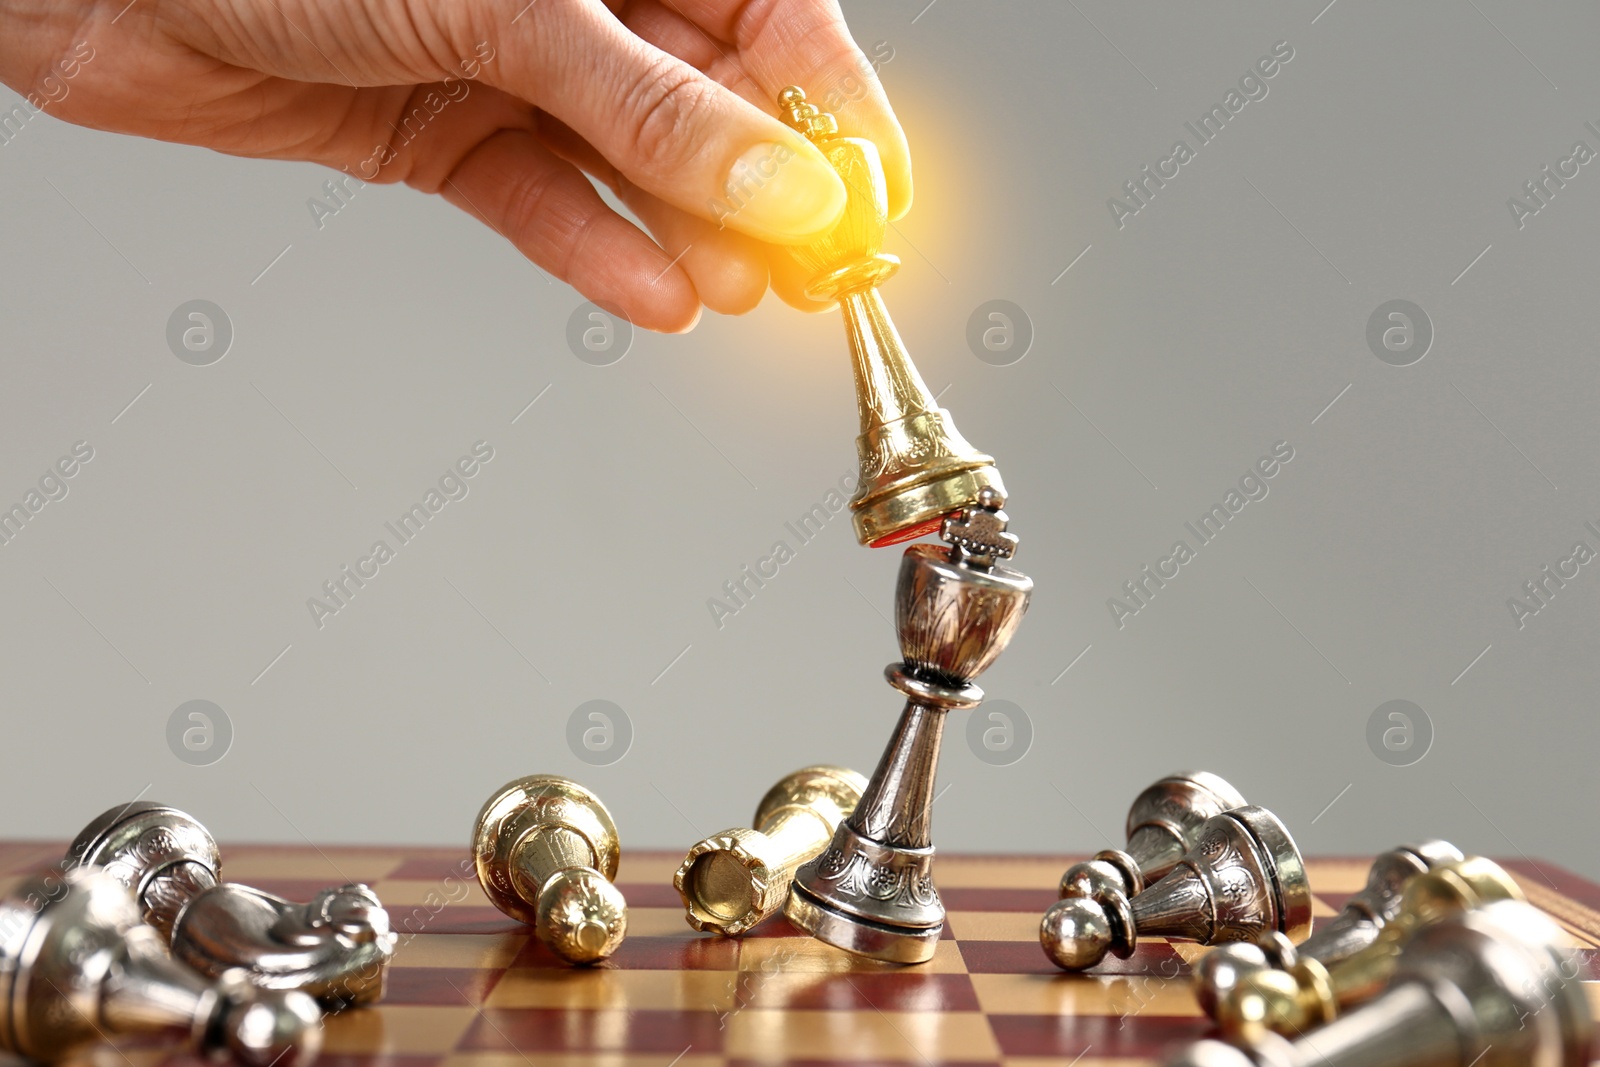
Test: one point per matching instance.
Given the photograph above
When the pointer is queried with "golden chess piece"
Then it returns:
(735, 879)
(915, 467)
(546, 852)
(1309, 993)
(78, 966)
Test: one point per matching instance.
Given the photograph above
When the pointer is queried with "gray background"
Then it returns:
(1226, 316)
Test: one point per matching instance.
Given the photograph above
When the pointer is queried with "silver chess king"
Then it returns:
(872, 891)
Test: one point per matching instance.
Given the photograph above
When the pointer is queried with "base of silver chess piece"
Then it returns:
(77, 966)
(336, 947)
(871, 891)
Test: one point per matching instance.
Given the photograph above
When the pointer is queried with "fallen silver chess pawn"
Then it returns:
(77, 966)
(1485, 988)
(336, 947)
(1243, 876)
(1358, 925)
(1163, 824)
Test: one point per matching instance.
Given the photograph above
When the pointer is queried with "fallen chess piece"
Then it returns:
(336, 947)
(546, 852)
(1485, 988)
(1353, 929)
(1243, 876)
(1162, 825)
(733, 880)
(1308, 992)
(871, 892)
(77, 966)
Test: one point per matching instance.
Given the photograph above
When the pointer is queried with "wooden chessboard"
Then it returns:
(470, 988)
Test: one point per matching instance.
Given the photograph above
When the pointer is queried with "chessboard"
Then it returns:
(470, 987)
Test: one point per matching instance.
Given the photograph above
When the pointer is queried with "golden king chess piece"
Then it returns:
(915, 467)
(735, 879)
(547, 852)
(1309, 993)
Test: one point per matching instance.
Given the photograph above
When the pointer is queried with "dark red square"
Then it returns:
(451, 986)
(865, 991)
(1150, 959)
(559, 1030)
(1110, 1036)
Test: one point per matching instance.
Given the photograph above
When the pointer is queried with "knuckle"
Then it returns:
(662, 106)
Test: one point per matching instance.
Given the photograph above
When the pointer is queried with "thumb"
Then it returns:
(671, 130)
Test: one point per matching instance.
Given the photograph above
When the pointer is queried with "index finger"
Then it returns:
(806, 43)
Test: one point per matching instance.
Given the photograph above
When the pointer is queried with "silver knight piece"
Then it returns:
(77, 966)
(1353, 929)
(1243, 876)
(335, 947)
(1163, 823)
(1485, 988)
(871, 891)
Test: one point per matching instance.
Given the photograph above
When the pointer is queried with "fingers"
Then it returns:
(668, 128)
(729, 270)
(806, 43)
(552, 214)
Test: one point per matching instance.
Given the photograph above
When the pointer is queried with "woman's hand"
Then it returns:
(499, 106)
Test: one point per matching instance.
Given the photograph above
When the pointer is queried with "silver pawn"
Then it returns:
(1243, 876)
(1162, 825)
(77, 966)
(1353, 929)
(336, 947)
(1484, 988)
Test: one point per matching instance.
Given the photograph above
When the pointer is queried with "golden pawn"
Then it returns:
(1309, 994)
(735, 879)
(546, 852)
(915, 467)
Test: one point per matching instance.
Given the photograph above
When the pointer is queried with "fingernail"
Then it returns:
(782, 192)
